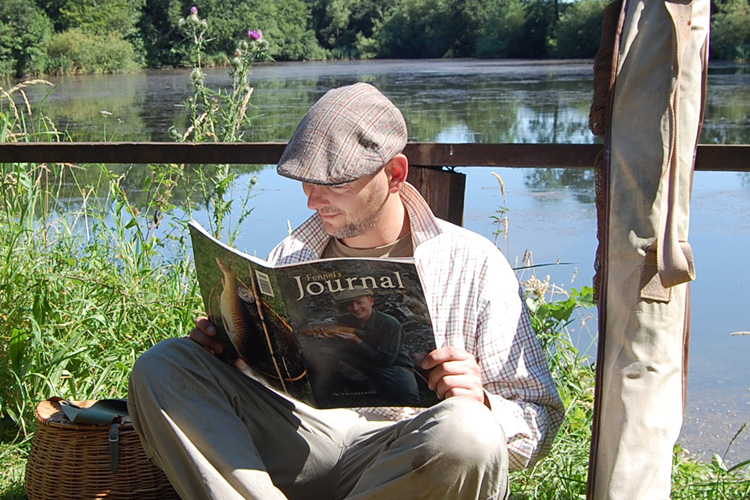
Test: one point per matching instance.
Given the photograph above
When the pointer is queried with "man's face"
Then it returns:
(361, 308)
(349, 210)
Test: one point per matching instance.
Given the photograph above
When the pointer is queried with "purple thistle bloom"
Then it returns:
(255, 35)
(194, 10)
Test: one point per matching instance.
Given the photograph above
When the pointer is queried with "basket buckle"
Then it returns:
(114, 440)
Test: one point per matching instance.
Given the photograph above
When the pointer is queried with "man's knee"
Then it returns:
(154, 365)
(468, 433)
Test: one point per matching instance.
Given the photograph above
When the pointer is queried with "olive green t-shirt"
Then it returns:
(402, 247)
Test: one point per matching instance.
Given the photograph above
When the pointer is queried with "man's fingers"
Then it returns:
(443, 355)
(459, 385)
(205, 325)
(204, 334)
(453, 372)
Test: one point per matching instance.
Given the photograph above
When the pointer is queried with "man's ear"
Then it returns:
(397, 170)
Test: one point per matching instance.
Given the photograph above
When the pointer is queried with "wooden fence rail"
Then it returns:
(716, 158)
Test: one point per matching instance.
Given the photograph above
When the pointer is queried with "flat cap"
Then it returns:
(350, 132)
(352, 294)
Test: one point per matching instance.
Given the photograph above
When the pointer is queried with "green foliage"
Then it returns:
(88, 279)
(421, 28)
(348, 27)
(81, 299)
(504, 33)
(287, 23)
(97, 17)
(541, 16)
(341, 29)
(695, 480)
(578, 31)
(730, 30)
(218, 116)
(75, 52)
(23, 31)
(162, 41)
(20, 123)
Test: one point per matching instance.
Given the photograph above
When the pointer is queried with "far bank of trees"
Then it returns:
(83, 36)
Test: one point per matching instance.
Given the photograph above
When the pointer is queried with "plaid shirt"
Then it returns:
(475, 303)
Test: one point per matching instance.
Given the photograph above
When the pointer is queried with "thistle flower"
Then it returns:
(194, 10)
(255, 35)
(197, 76)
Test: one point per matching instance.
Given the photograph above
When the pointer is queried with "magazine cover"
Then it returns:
(332, 333)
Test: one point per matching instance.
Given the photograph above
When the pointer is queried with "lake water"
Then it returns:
(551, 212)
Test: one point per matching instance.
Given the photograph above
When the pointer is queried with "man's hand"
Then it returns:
(454, 372)
(204, 334)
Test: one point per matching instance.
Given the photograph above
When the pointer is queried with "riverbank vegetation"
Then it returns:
(103, 36)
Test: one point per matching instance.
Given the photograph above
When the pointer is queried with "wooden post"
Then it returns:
(443, 189)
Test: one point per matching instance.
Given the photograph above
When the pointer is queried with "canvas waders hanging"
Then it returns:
(650, 116)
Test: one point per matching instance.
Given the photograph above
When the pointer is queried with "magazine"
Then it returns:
(343, 332)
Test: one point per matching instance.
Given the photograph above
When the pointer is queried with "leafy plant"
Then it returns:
(23, 31)
(730, 30)
(76, 52)
(219, 116)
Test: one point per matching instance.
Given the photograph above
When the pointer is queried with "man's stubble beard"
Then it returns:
(370, 215)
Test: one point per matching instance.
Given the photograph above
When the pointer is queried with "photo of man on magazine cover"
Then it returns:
(369, 354)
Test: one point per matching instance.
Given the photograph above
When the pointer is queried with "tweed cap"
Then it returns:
(352, 294)
(350, 132)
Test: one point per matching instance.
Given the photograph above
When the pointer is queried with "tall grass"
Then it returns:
(82, 293)
(80, 298)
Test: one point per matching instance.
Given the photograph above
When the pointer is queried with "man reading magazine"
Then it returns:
(218, 433)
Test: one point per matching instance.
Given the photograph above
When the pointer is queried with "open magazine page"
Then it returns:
(332, 333)
(363, 327)
(255, 330)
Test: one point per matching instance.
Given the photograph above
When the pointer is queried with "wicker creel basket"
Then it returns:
(70, 460)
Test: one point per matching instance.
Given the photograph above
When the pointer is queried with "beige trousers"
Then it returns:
(217, 433)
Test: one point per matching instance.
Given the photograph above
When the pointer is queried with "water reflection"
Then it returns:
(490, 101)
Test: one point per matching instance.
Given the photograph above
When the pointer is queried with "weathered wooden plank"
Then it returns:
(142, 152)
(723, 158)
(715, 158)
(443, 190)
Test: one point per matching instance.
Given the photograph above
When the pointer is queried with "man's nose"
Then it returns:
(315, 195)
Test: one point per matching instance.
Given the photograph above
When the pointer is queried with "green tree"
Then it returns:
(103, 17)
(162, 41)
(516, 29)
(23, 31)
(52, 8)
(76, 52)
(428, 29)
(346, 27)
(93, 36)
(578, 31)
(285, 22)
(504, 33)
(540, 21)
(730, 28)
